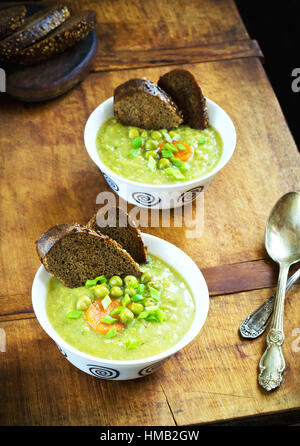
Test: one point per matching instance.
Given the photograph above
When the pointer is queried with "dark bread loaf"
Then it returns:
(65, 36)
(141, 103)
(120, 227)
(11, 19)
(185, 91)
(74, 253)
(34, 28)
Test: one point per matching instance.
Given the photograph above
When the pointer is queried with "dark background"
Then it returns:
(276, 27)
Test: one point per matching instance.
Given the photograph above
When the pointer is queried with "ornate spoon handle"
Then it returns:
(256, 323)
(272, 364)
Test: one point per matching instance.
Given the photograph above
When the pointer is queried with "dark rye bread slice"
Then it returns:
(141, 103)
(74, 253)
(120, 227)
(65, 36)
(34, 28)
(11, 19)
(185, 91)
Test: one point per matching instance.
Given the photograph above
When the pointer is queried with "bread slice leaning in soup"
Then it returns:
(141, 103)
(120, 227)
(74, 253)
(183, 88)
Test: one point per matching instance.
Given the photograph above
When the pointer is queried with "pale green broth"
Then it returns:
(176, 301)
(116, 148)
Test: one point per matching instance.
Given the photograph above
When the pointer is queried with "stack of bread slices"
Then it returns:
(32, 39)
(74, 253)
(176, 99)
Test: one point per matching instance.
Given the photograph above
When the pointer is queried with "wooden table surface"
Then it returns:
(48, 178)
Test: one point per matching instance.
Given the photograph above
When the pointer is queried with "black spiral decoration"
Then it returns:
(62, 351)
(152, 368)
(190, 195)
(146, 199)
(110, 182)
(103, 372)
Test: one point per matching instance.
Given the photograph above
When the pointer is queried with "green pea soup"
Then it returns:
(139, 339)
(136, 154)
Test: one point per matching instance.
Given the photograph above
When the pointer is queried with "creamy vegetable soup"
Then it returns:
(158, 156)
(123, 318)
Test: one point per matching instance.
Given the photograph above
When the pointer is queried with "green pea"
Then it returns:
(130, 291)
(151, 145)
(136, 308)
(173, 135)
(146, 276)
(144, 134)
(116, 291)
(131, 281)
(115, 281)
(156, 135)
(163, 163)
(149, 302)
(150, 153)
(83, 303)
(133, 133)
(126, 316)
(101, 290)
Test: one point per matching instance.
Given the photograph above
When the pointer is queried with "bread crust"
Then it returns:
(135, 86)
(139, 253)
(55, 234)
(11, 19)
(65, 36)
(34, 28)
(182, 86)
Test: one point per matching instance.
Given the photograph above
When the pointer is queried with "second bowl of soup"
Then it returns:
(125, 327)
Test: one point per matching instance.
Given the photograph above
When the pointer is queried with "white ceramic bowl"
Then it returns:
(123, 370)
(159, 196)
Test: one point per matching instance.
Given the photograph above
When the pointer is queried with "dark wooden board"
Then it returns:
(55, 76)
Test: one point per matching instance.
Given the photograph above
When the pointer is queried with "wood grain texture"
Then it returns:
(145, 25)
(120, 60)
(47, 177)
(148, 24)
(45, 389)
(219, 370)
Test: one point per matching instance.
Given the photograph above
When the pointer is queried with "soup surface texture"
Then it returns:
(158, 156)
(142, 337)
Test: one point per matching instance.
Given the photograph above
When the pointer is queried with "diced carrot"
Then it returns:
(96, 312)
(182, 155)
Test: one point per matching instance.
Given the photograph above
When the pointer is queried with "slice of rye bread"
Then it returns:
(65, 36)
(120, 227)
(11, 19)
(74, 253)
(185, 91)
(141, 103)
(34, 28)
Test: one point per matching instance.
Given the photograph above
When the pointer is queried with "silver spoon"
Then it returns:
(256, 323)
(282, 240)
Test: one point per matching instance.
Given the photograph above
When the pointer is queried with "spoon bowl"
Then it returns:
(282, 237)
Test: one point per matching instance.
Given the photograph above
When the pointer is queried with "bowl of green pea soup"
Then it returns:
(159, 169)
(125, 327)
